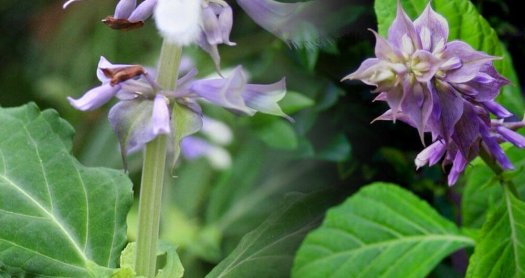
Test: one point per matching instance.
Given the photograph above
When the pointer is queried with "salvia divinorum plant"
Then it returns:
(156, 106)
(443, 88)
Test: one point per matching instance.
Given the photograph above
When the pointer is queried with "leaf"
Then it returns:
(465, 24)
(482, 190)
(172, 267)
(58, 217)
(278, 134)
(294, 102)
(268, 250)
(382, 231)
(500, 251)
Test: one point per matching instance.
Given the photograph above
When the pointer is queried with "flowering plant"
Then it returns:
(209, 163)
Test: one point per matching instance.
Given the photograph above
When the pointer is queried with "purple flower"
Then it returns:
(439, 87)
(143, 110)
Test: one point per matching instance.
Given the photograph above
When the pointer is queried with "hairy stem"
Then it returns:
(153, 172)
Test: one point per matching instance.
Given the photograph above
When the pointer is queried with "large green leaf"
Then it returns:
(58, 218)
(465, 24)
(500, 251)
(382, 231)
(268, 250)
(483, 191)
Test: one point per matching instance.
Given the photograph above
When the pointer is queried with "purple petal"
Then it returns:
(210, 24)
(131, 121)
(375, 72)
(403, 29)
(458, 166)
(417, 105)
(432, 28)
(466, 132)
(264, 98)
(211, 49)
(224, 92)
(431, 154)
(160, 118)
(496, 109)
(395, 97)
(494, 149)
(95, 97)
(515, 138)
(226, 24)
(384, 50)
(125, 8)
(485, 86)
(143, 11)
(427, 66)
(472, 61)
(193, 147)
(450, 106)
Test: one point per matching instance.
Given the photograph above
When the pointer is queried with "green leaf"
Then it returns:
(500, 251)
(278, 134)
(482, 190)
(382, 231)
(465, 24)
(268, 250)
(58, 217)
(294, 102)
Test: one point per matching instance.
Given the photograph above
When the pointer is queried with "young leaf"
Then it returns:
(465, 24)
(268, 250)
(58, 217)
(382, 231)
(500, 251)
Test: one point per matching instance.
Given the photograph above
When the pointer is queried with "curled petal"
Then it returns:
(431, 154)
(432, 28)
(143, 11)
(178, 21)
(515, 138)
(376, 72)
(471, 61)
(494, 149)
(160, 118)
(485, 86)
(210, 24)
(496, 109)
(125, 8)
(94, 98)
(226, 24)
(458, 166)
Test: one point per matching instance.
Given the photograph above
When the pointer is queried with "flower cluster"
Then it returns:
(142, 112)
(443, 88)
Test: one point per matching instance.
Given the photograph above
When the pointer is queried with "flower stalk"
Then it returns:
(153, 173)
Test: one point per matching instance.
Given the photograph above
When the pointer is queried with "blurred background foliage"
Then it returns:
(48, 54)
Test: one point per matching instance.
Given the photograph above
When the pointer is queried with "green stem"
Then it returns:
(153, 172)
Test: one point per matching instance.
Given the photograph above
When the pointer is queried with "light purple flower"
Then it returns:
(439, 87)
(143, 110)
